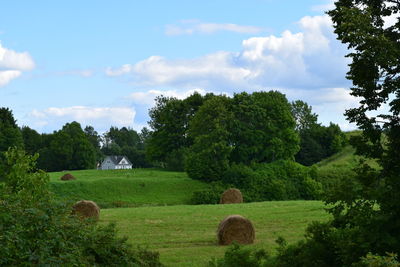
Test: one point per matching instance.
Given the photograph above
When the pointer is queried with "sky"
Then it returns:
(102, 63)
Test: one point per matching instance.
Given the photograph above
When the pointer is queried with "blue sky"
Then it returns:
(102, 63)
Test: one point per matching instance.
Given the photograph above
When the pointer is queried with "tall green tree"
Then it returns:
(208, 157)
(263, 128)
(67, 149)
(169, 123)
(10, 134)
(247, 129)
(303, 115)
(375, 73)
(32, 140)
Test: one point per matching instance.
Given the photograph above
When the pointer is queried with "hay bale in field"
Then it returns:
(235, 228)
(86, 209)
(230, 196)
(67, 177)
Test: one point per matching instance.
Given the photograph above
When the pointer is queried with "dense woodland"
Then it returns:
(203, 135)
(71, 147)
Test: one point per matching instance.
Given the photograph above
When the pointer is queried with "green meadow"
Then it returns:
(185, 235)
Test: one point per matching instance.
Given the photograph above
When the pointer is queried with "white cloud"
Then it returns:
(187, 27)
(12, 64)
(7, 75)
(123, 70)
(101, 118)
(312, 58)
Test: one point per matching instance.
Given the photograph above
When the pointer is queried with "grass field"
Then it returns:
(136, 187)
(186, 235)
(154, 214)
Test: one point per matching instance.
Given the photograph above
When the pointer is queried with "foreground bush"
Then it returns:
(37, 230)
(302, 254)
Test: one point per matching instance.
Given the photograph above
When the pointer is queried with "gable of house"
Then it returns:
(116, 162)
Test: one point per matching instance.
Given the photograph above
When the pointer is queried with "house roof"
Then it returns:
(117, 159)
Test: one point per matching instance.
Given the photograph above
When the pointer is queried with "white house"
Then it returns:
(115, 163)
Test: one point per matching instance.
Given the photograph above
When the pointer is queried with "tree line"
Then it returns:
(197, 134)
(71, 147)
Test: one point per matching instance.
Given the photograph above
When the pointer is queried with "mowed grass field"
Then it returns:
(185, 235)
(155, 214)
(135, 187)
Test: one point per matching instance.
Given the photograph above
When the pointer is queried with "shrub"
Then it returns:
(37, 230)
(371, 260)
(279, 180)
(237, 255)
(210, 195)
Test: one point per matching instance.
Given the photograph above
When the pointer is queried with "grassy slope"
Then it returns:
(136, 187)
(186, 235)
(344, 159)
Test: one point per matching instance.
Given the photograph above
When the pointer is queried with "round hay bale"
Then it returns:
(86, 209)
(67, 177)
(235, 228)
(231, 196)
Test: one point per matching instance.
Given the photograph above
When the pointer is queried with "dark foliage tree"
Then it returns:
(32, 140)
(316, 141)
(67, 149)
(262, 129)
(375, 73)
(10, 134)
(144, 136)
(94, 138)
(208, 157)
(303, 115)
(169, 123)
(248, 129)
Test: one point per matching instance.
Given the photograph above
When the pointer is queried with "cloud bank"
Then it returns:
(292, 60)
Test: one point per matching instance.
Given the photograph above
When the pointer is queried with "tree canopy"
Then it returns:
(248, 128)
